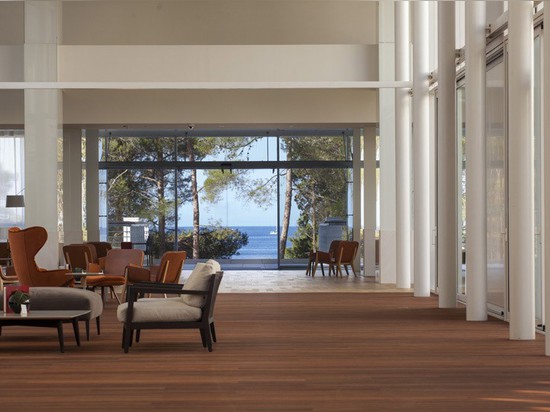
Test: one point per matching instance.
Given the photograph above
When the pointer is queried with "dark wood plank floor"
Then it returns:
(296, 352)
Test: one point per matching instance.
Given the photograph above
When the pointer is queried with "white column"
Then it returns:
(520, 184)
(447, 248)
(369, 201)
(546, 188)
(387, 144)
(476, 205)
(92, 185)
(43, 118)
(72, 186)
(357, 194)
(421, 150)
(403, 146)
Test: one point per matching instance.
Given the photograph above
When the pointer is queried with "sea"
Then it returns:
(262, 242)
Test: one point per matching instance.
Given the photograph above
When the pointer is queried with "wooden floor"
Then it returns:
(295, 352)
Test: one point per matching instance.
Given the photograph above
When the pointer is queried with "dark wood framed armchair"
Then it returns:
(192, 308)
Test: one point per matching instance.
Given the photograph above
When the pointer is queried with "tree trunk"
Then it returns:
(314, 245)
(195, 193)
(286, 215)
(162, 214)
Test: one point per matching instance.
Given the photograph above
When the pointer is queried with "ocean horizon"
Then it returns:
(262, 241)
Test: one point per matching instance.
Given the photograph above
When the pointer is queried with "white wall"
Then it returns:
(219, 22)
(219, 106)
(238, 63)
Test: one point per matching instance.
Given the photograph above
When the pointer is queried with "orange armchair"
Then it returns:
(115, 266)
(168, 271)
(24, 245)
(79, 255)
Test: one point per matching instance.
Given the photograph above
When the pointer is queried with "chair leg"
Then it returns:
(213, 331)
(353, 270)
(314, 269)
(346, 267)
(114, 293)
(323, 270)
(87, 323)
(97, 325)
(127, 336)
(138, 334)
(208, 338)
(203, 338)
(103, 294)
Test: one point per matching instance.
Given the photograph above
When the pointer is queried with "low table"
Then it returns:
(47, 319)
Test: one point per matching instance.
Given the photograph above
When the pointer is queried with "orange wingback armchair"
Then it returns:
(24, 245)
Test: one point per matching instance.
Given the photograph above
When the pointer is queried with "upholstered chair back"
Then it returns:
(170, 267)
(24, 245)
(117, 260)
(79, 255)
(101, 248)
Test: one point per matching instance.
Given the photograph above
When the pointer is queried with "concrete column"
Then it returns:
(447, 235)
(72, 186)
(43, 119)
(92, 185)
(421, 150)
(403, 146)
(369, 201)
(520, 175)
(476, 204)
(387, 144)
(546, 187)
(357, 194)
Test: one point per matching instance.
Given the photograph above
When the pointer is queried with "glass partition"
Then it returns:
(461, 190)
(497, 213)
(225, 197)
(12, 178)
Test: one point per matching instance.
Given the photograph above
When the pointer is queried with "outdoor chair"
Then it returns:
(320, 257)
(192, 308)
(24, 245)
(114, 267)
(345, 256)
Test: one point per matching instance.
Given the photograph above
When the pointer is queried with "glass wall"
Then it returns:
(12, 179)
(461, 190)
(497, 213)
(537, 160)
(259, 197)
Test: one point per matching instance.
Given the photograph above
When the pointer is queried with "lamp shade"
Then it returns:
(15, 201)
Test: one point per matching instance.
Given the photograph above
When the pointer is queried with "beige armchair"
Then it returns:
(193, 306)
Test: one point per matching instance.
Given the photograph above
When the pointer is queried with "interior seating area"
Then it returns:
(274, 205)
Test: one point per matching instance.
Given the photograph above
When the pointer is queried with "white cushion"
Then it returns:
(215, 265)
(161, 310)
(198, 280)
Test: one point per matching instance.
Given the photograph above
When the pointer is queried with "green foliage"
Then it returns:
(302, 241)
(221, 243)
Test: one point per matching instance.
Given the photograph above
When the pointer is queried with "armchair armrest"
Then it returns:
(324, 256)
(142, 288)
(53, 278)
(137, 274)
